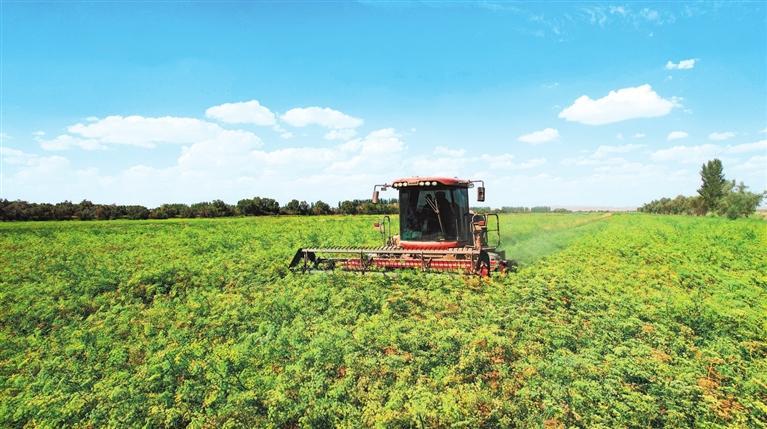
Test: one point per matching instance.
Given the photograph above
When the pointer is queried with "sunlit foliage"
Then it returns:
(631, 320)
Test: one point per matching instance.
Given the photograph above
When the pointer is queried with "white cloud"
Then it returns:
(620, 10)
(702, 153)
(498, 161)
(229, 166)
(756, 163)
(676, 135)
(376, 151)
(245, 112)
(627, 16)
(13, 156)
(65, 141)
(30, 168)
(444, 151)
(38, 133)
(619, 105)
(639, 136)
(620, 169)
(147, 131)
(209, 170)
(531, 163)
(719, 136)
(143, 132)
(322, 116)
(748, 147)
(605, 150)
(230, 150)
(538, 137)
(341, 134)
(454, 162)
(650, 14)
(681, 65)
(604, 155)
(687, 154)
(284, 134)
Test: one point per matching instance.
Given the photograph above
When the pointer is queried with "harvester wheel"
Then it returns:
(509, 266)
(483, 265)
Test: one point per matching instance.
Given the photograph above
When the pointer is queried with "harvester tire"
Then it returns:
(483, 264)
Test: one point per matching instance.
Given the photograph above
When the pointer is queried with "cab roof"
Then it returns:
(422, 180)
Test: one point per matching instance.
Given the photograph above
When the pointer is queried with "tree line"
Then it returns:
(258, 206)
(716, 195)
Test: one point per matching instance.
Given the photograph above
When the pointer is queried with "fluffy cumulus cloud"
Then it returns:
(619, 105)
(720, 136)
(245, 112)
(454, 162)
(677, 135)
(214, 161)
(448, 152)
(701, 153)
(605, 151)
(604, 155)
(35, 173)
(322, 116)
(508, 162)
(379, 150)
(681, 65)
(531, 163)
(342, 134)
(756, 163)
(146, 131)
(760, 145)
(538, 137)
(20, 158)
(228, 165)
(65, 142)
(687, 154)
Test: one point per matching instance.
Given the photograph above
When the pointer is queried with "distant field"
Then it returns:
(613, 321)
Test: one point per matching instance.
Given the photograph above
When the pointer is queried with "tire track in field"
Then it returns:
(552, 240)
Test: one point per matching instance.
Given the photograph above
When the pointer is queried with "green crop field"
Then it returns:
(622, 320)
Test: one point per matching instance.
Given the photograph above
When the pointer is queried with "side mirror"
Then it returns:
(481, 194)
(375, 197)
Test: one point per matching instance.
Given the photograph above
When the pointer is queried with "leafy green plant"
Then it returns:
(624, 321)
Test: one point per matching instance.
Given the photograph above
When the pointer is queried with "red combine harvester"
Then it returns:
(437, 232)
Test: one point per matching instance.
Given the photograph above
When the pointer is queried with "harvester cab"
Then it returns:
(437, 232)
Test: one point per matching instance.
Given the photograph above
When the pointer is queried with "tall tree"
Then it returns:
(713, 188)
(321, 208)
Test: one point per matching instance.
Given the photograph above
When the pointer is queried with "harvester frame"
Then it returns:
(438, 232)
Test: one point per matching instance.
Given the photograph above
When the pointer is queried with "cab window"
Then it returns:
(433, 214)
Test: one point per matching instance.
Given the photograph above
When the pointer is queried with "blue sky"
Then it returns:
(567, 104)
